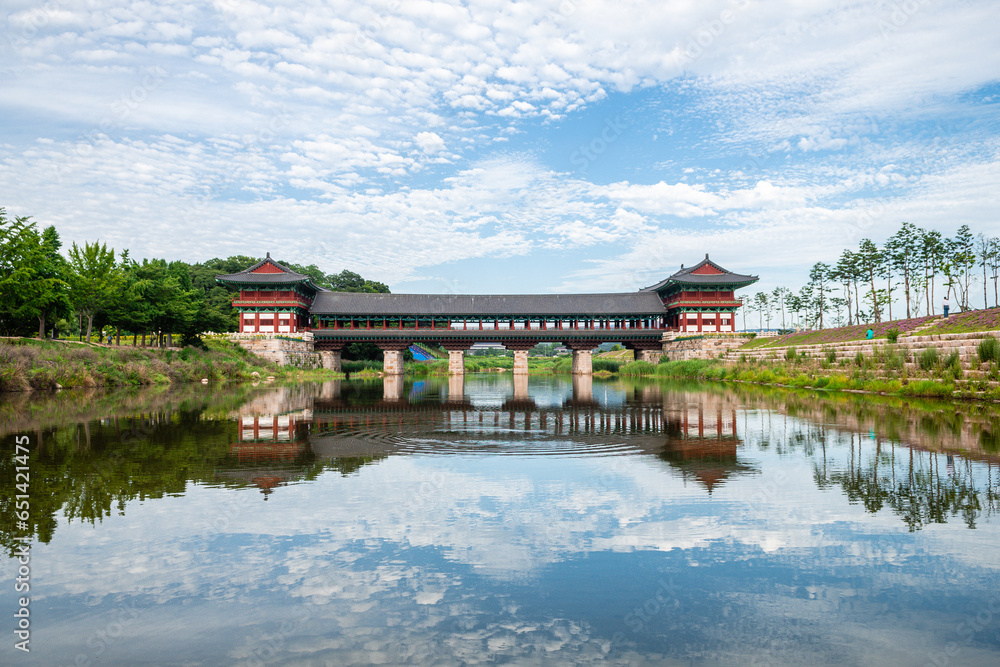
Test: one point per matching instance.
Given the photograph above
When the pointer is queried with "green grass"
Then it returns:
(27, 364)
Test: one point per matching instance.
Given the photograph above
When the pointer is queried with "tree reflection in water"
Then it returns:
(88, 462)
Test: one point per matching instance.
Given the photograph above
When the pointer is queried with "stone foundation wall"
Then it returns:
(282, 351)
(963, 343)
(701, 348)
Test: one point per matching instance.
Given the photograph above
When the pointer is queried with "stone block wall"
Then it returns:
(963, 343)
(282, 351)
(709, 347)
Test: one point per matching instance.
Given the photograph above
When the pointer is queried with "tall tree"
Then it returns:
(778, 296)
(846, 273)
(819, 280)
(94, 279)
(903, 250)
(869, 262)
(962, 257)
(32, 273)
(931, 257)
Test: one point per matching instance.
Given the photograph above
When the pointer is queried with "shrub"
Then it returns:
(610, 365)
(637, 369)
(928, 359)
(988, 349)
(664, 359)
(791, 354)
(831, 355)
(892, 335)
(859, 359)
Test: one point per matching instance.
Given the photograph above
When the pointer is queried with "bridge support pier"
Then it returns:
(520, 362)
(521, 348)
(583, 363)
(392, 357)
(331, 359)
(456, 362)
(582, 357)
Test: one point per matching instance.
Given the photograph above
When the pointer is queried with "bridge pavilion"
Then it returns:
(273, 299)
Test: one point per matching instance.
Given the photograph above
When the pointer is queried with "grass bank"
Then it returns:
(27, 364)
(804, 376)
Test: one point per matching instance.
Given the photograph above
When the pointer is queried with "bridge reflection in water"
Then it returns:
(354, 425)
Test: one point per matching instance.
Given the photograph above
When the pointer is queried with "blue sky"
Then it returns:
(494, 146)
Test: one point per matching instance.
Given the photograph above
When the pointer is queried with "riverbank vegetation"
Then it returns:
(27, 364)
(864, 285)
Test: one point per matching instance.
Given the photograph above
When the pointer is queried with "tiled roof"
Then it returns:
(247, 275)
(688, 276)
(359, 303)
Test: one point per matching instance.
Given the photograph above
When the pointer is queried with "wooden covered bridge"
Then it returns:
(274, 299)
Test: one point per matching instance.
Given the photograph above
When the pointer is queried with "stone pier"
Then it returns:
(582, 357)
(520, 362)
(392, 357)
(330, 359)
(456, 356)
(583, 388)
(521, 354)
(583, 363)
(456, 362)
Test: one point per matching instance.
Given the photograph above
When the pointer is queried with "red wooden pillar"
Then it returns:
(256, 322)
(699, 321)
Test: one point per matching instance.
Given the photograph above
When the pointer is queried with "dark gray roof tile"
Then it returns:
(351, 303)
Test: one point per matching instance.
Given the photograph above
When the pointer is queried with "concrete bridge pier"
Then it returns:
(329, 354)
(456, 357)
(521, 348)
(330, 359)
(582, 357)
(392, 357)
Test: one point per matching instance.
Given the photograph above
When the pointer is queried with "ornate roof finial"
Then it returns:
(706, 255)
(269, 255)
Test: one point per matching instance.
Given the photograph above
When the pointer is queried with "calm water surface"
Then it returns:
(488, 521)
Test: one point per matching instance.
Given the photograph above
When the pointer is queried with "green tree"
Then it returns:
(819, 280)
(94, 278)
(903, 250)
(869, 262)
(348, 281)
(962, 257)
(32, 274)
(931, 258)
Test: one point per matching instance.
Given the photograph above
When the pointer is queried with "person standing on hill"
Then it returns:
(946, 306)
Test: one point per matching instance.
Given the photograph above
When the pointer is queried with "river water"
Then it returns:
(489, 520)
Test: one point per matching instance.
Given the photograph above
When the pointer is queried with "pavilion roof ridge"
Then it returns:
(689, 276)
